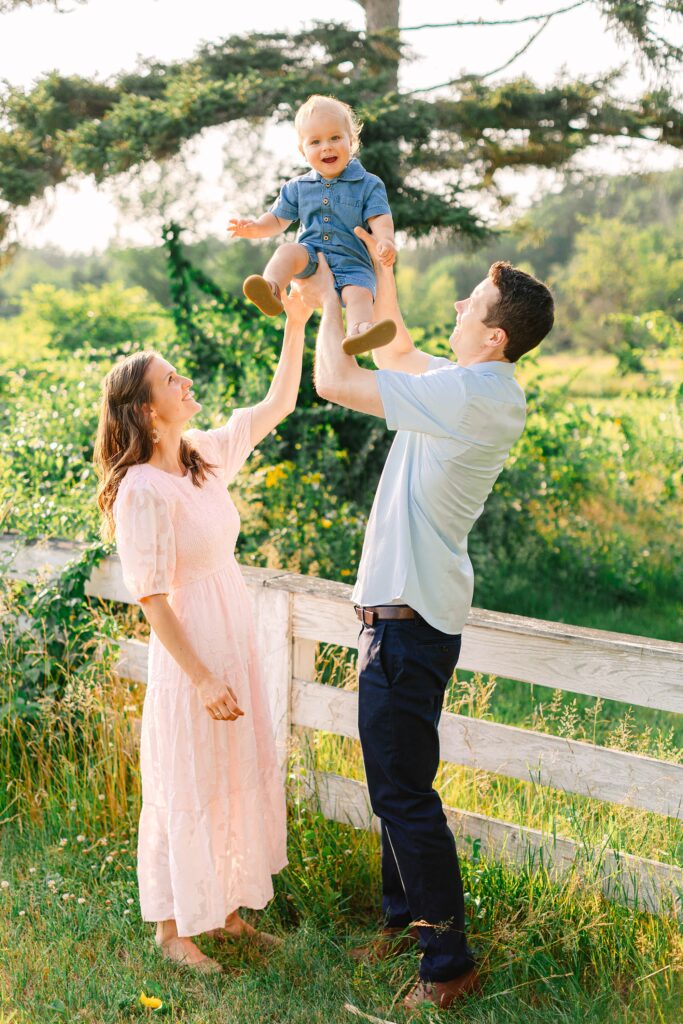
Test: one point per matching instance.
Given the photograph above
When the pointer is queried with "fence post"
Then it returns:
(272, 615)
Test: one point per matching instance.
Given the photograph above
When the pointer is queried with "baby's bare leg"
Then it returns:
(289, 259)
(362, 335)
(264, 291)
(358, 302)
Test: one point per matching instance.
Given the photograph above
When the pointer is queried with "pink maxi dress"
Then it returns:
(212, 827)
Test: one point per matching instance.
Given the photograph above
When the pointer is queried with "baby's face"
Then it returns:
(326, 143)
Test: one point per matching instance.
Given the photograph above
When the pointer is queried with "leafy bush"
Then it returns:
(110, 317)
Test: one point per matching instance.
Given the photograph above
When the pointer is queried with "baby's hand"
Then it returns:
(386, 252)
(243, 228)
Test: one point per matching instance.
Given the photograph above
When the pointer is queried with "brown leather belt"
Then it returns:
(370, 615)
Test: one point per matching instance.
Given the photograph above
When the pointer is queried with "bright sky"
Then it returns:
(104, 37)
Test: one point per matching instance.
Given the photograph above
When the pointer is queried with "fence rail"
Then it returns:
(295, 613)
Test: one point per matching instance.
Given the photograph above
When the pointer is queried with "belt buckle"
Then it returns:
(369, 616)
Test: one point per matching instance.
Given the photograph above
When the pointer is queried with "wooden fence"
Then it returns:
(296, 613)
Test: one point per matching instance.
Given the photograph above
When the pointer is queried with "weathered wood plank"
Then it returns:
(647, 884)
(647, 674)
(569, 765)
(273, 635)
(132, 662)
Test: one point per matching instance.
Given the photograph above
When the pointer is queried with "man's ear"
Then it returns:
(497, 339)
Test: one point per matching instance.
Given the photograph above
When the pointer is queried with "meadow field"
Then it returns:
(583, 527)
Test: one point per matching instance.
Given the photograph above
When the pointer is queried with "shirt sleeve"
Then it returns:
(429, 403)
(287, 203)
(375, 201)
(144, 539)
(436, 362)
(228, 446)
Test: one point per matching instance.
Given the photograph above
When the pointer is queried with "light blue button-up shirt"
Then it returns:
(455, 426)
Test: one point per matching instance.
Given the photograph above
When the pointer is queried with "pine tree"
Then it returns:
(424, 148)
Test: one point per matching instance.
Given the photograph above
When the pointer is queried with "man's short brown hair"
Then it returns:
(525, 309)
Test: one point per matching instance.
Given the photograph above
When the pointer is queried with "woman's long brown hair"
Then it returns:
(124, 434)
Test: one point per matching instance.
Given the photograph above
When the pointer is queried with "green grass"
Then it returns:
(549, 954)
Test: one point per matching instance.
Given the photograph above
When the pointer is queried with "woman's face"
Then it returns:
(172, 400)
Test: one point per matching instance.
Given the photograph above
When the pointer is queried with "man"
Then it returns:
(455, 423)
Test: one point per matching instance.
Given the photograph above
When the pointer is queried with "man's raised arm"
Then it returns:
(400, 354)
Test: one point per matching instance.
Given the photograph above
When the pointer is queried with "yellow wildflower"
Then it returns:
(326, 523)
(153, 1002)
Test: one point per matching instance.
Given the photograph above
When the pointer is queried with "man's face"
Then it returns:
(471, 337)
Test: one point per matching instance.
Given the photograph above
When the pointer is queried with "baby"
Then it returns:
(330, 201)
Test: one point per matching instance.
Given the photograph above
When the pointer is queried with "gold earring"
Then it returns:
(156, 436)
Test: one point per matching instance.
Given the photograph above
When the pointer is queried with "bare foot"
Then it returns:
(236, 928)
(182, 950)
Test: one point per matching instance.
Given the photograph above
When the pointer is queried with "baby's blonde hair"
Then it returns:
(317, 102)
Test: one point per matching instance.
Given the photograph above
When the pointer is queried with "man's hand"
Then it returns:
(386, 252)
(370, 243)
(317, 290)
(240, 227)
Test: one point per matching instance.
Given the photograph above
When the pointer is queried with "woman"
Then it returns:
(212, 826)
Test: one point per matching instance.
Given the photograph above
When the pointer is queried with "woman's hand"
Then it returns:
(298, 312)
(219, 699)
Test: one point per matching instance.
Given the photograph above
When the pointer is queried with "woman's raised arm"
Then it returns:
(284, 387)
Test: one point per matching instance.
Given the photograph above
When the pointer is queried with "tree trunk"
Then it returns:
(380, 14)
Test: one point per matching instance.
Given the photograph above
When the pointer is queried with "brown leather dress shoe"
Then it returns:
(443, 993)
(390, 942)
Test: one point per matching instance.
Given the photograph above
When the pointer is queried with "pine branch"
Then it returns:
(481, 22)
(487, 74)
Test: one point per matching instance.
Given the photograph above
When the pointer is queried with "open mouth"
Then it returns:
(329, 159)
(188, 395)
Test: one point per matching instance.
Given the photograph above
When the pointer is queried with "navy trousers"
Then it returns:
(404, 666)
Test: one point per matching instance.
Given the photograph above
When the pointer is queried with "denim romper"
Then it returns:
(328, 211)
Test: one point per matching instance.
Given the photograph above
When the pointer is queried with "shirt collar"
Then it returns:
(493, 366)
(354, 171)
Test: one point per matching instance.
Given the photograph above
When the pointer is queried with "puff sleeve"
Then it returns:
(144, 539)
(229, 446)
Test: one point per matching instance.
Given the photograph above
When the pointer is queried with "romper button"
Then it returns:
(328, 184)
(325, 201)
(326, 219)
(326, 238)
